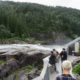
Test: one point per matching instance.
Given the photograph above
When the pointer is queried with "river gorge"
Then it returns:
(15, 57)
(23, 61)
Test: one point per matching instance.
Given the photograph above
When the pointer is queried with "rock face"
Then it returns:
(19, 60)
(50, 38)
(76, 61)
(8, 68)
(60, 38)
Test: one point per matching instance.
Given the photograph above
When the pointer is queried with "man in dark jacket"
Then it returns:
(52, 59)
(66, 67)
(63, 55)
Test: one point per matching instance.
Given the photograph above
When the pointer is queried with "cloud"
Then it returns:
(66, 3)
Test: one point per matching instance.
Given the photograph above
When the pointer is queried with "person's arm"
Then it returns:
(49, 58)
(61, 53)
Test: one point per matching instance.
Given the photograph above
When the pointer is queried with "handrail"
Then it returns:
(45, 69)
(72, 42)
(66, 46)
(45, 74)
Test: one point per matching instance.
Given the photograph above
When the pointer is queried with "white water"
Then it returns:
(9, 47)
(57, 47)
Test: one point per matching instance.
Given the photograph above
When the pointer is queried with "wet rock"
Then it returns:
(19, 60)
(76, 61)
(4, 70)
(13, 65)
(11, 77)
(61, 39)
(22, 75)
(31, 59)
(77, 76)
(9, 67)
(32, 74)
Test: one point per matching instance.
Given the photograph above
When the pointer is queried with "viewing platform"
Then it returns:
(46, 74)
(54, 74)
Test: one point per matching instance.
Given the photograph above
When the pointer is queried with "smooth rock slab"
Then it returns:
(11, 77)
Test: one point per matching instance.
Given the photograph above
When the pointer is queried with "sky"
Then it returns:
(65, 3)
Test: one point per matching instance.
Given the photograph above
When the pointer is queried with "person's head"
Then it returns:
(54, 50)
(63, 49)
(51, 52)
(57, 52)
(66, 66)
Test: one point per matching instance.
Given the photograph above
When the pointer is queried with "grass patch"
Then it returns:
(76, 69)
(16, 77)
(4, 78)
(29, 67)
(40, 70)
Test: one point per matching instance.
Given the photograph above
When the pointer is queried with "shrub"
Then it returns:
(76, 69)
(2, 62)
(4, 32)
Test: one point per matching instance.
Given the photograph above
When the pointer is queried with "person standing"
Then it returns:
(66, 67)
(57, 59)
(52, 60)
(63, 55)
(56, 55)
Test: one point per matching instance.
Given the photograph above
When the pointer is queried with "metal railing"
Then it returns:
(45, 74)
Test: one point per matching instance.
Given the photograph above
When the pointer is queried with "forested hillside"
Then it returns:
(32, 20)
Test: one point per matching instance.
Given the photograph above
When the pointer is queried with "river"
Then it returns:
(9, 47)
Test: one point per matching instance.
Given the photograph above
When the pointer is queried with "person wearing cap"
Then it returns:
(66, 67)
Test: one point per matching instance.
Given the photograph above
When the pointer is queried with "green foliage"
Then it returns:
(4, 78)
(4, 32)
(16, 77)
(76, 69)
(2, 62)
(40, 70)
(25, 20)
(29, 67)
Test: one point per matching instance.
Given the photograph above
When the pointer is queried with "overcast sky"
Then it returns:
(66, 3)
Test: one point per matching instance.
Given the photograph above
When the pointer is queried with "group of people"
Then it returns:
(55, 57)
(66, 65)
